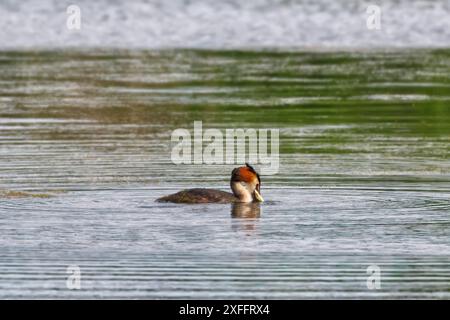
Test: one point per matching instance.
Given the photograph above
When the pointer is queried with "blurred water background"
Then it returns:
(85, 125)
(224, 24)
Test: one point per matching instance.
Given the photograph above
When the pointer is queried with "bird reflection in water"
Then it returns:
(245, 215)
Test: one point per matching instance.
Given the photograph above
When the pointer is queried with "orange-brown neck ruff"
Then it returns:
(247, 175)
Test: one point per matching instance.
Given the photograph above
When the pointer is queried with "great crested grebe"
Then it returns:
(245, 184)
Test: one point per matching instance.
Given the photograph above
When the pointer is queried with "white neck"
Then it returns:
(241, 192)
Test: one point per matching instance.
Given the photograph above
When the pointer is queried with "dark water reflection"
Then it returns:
(246, 210)
(245, 215)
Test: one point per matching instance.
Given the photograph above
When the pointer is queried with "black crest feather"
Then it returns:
(254, 171)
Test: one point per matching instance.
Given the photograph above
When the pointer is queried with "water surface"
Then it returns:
(225, 24)
(364, 174)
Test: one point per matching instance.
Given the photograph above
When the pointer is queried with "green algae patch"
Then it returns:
(11, 194)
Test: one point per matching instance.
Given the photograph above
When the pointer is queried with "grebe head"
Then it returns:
(246, 184)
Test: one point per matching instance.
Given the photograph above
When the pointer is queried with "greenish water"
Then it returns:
(364, 174)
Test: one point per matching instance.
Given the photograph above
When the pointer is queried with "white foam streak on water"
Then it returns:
(224, 24)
